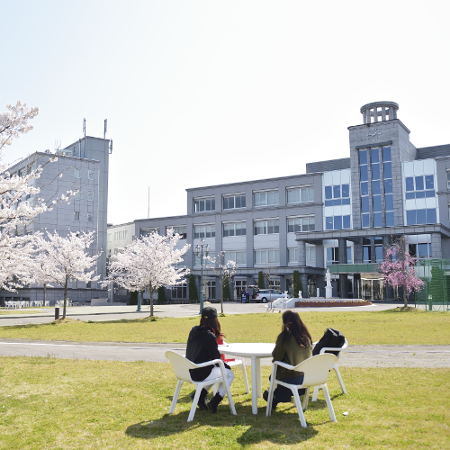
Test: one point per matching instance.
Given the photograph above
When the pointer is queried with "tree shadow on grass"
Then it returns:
(283, 427)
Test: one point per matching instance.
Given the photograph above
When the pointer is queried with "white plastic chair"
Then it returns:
(181, 366)
(335, 367)
(315, 371)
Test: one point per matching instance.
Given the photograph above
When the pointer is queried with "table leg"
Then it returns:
(255, 369)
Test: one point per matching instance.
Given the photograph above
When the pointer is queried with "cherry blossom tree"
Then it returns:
(223, 270)
(66, 258)
(398, 269)
(149, 263)
(19, 201)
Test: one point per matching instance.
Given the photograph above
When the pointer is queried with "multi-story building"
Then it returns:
(340, 215)
(84, 167)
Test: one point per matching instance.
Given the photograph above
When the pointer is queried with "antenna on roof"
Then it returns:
(105, 126)
(84, 127)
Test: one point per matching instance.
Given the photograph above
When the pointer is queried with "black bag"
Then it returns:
(331, 338)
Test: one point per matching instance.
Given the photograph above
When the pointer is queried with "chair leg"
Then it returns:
(272, 387)
(244, 374)
(305, 399)
(175, 397)
(315, 394)
(336, 369)
(194, 403)
(230, 398)
(299, 406)
(329, 404)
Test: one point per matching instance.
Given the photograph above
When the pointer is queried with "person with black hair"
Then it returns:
(293, 345)
(202, 347)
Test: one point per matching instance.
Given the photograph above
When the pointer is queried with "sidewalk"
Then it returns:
(107, 313)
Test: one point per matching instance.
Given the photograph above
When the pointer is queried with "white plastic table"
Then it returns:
(254, 351)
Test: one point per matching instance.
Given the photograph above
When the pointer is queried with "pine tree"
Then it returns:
(260, 280)
(193, 293)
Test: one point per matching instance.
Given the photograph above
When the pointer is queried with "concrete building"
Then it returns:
(340, 215)
(84, 167)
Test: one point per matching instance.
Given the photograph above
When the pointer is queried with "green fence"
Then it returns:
(435, 273)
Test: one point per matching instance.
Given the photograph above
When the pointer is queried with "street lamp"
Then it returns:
(201, 251)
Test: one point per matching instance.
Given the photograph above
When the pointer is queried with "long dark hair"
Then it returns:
(212, 324)
(293, 325)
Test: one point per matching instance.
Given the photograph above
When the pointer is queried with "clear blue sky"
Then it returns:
(198, 93)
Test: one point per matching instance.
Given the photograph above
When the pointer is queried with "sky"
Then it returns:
(200, 93)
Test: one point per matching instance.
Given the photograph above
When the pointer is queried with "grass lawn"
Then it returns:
(47, 403)
(360, 328)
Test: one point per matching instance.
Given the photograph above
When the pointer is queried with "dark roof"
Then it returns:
(433, 152)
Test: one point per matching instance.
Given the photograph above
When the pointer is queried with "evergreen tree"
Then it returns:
(162, 300)
(133, 298)
(193, 293)
(297, 284)
(226, 288)
(260, 280)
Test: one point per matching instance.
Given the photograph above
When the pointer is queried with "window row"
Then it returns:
(338, 194)
(120, 235)
(337, 222)
(421, 216)
(76, 216)
(263, 198)
(420, 187)
(90, 173)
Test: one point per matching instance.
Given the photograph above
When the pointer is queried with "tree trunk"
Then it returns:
(65, 298)
(150, 288)
(45, 292)
(221, 296)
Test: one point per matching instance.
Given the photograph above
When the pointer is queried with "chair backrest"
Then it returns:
(316, 369)
(181, 366)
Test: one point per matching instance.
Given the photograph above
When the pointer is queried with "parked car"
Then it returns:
(268, 295)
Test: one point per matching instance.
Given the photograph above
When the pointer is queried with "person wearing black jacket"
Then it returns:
(202, 347)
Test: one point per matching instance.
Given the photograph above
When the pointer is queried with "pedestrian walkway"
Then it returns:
(106, 313)
(382, 356)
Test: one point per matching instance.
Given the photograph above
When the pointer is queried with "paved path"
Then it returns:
(433, 356)
(106, 313)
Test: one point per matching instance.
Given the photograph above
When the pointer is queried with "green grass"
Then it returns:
(47, 403)
(361, 328)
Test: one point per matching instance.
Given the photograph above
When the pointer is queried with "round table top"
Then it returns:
(258, 349)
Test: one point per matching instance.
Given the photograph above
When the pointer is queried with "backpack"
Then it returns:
(331, 338)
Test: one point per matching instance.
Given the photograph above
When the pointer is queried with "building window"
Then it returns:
(376, 187)
(388, 191)
(90, 217)
(179, 291)
(265, 198)
(119, 235)
(420, 251)
(181, 230)
(379, 254)
(239, 257)
(301, 224)
(367, 251)
(90, 174)
(204, 204)
(148, 231)
(76, 215)
(421, 186)
(109, 237)
(90, 196)
(364, 186)
(337, 194)
(76, 195)
(421, 216)
(448, 180)
(293, 255)
(299, 195)
(234, 229)
(234, 201)
(267, 227)
(267, 257)
(204, 231)
(197, 260)
(77, 173)
(337, 222)
(332, 255)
